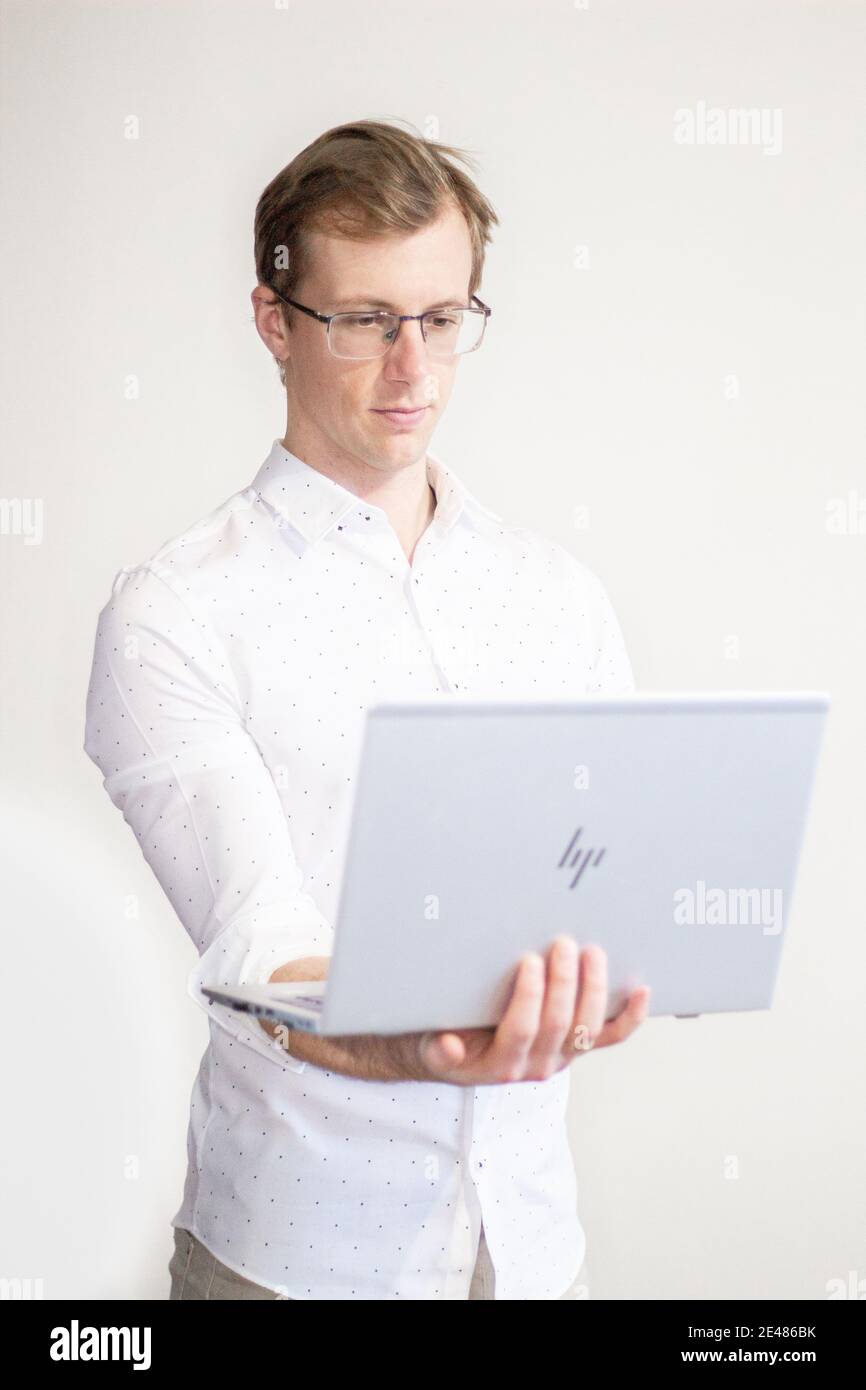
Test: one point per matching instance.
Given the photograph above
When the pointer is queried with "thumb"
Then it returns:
(430, 1051)
(442, 1052)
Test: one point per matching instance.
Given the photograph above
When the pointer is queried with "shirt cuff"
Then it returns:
(247, 952)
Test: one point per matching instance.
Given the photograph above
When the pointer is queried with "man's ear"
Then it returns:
(269, 322)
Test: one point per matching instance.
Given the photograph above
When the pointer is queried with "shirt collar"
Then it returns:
(313, 503)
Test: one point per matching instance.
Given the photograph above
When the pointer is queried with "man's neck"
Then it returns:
(406, 497)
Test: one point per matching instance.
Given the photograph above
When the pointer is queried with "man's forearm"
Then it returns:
(368, 1056)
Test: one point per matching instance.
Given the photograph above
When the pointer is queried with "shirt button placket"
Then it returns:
(413, 590)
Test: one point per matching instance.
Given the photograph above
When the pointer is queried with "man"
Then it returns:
(231, 676)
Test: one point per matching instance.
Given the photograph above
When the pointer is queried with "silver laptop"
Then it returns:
(665, 827)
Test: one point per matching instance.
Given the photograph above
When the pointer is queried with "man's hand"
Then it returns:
(547, 1024)
(549, 1021)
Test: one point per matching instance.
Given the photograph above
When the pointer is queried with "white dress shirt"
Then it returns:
(231, 675)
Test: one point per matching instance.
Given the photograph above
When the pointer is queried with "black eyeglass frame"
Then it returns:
(328, 319)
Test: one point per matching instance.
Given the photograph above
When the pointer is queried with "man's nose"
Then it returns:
(408, 352)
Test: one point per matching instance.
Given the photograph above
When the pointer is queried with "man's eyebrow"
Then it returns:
(360, 301)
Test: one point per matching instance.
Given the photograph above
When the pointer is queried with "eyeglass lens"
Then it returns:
(447, 332)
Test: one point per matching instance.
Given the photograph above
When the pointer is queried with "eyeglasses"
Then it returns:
(360, 334)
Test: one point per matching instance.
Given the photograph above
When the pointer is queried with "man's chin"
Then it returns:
(405, 445)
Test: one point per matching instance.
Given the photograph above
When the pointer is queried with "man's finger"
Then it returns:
(591, 998)
(627, 1020)
(441, 1051)
(557, 1014)
(519, 1024)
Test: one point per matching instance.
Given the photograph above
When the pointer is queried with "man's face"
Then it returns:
(335, 403)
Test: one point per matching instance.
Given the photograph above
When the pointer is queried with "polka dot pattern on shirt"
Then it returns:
(230, 681)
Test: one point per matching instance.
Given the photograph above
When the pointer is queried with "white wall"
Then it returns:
(697, 384)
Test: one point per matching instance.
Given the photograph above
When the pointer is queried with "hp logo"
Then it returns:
(579, 857)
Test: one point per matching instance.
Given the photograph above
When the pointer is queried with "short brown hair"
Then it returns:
(361, 180)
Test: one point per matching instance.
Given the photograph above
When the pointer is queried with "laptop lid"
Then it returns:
(665, 827)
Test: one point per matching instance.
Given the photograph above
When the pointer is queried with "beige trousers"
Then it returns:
(197, 1274)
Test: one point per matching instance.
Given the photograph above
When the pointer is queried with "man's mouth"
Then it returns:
(402, 415)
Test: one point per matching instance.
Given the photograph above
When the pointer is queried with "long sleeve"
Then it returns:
(612, 672)
(164, 726)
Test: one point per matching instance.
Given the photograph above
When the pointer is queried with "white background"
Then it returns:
(697, 384)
